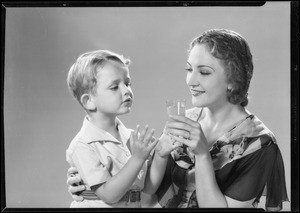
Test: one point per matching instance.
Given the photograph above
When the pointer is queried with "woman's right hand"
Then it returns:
(74, 183)
(189, 132)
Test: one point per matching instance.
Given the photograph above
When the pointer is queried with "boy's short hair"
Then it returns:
(82, 76)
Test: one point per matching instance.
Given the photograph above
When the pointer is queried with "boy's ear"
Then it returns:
(87, 102)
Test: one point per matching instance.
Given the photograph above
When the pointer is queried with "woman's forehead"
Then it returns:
(200, 53)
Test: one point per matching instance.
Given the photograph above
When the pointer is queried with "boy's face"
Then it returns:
(113, 92)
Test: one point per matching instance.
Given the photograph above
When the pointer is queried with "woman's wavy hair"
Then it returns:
(234, 51)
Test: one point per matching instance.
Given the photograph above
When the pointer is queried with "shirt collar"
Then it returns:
(92, 133)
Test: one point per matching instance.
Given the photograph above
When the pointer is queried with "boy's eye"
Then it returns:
(114, 88)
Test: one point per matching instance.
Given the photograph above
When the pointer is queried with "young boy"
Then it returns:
(100, 81)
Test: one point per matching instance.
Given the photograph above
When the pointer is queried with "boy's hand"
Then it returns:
(142, 144)
(166, 145)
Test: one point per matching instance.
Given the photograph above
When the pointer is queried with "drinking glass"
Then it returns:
(176, 107)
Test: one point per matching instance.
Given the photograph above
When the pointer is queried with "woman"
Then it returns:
(229, 157)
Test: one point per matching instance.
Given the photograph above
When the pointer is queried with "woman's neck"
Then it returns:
(225, 116)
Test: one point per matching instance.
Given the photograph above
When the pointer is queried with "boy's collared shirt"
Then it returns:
(90, 148)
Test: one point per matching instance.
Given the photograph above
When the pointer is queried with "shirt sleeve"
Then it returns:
(259, 173)
(90, 168)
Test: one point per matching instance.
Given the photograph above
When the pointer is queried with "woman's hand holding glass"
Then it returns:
(188, 132)
(166, 144)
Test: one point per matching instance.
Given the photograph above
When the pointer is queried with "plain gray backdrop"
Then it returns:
(41, 117)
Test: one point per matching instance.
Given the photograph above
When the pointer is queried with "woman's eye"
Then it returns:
(188, 69)
(204, 72)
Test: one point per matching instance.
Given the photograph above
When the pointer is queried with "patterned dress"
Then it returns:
(247, 164)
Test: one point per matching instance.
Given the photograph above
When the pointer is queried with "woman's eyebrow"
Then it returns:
(201, 66)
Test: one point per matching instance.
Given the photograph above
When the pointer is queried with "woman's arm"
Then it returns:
(208, 192)
(75, 186)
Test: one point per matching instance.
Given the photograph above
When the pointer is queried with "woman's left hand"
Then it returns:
(188, 132)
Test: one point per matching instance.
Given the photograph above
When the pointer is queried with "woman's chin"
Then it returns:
(197, 103)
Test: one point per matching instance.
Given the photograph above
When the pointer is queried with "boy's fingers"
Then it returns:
(136, 133)
(131, 138)
(143, 133)
(149, 136)
(153, 144)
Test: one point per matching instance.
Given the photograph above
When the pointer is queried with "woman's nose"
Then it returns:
(192, 79)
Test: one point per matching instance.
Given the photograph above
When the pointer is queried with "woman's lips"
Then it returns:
(196, 92)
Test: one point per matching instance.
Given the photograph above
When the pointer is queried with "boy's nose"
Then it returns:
(127, 92)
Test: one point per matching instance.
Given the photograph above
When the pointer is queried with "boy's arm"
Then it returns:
(155, 174)
(157, 169)
(115, 188)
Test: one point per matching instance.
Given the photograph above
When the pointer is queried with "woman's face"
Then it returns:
(206, 78)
